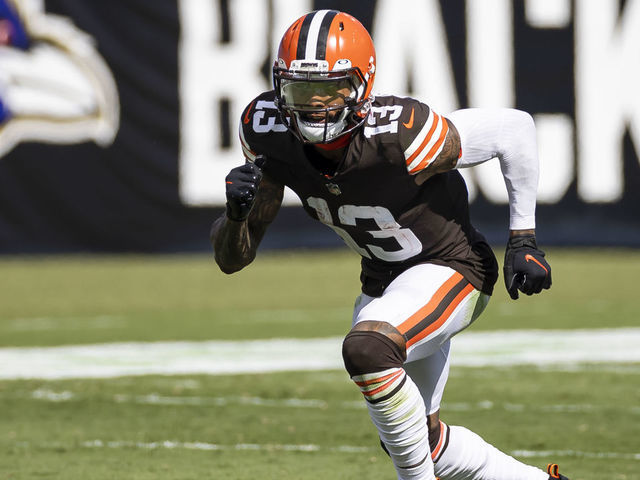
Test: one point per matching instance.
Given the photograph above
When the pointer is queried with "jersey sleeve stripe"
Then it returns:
(246, 150)
(417, 158)
(425, 158)
(425, 138)
(249, 155)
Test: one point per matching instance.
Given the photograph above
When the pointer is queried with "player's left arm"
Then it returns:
(430, 142)
(510, 136)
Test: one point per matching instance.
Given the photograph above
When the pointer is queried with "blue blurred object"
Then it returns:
(4, 112)
(18, 36)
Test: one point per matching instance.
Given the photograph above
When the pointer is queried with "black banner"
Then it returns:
(118, 119)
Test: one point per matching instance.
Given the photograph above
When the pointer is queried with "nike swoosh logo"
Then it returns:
(247, 119)
(409, 124)
(528, 258)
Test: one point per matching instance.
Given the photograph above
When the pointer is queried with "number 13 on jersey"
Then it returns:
(408, 243)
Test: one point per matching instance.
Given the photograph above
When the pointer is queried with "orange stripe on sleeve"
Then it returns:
(434, 125)
(429, 157)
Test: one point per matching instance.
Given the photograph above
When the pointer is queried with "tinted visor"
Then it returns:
(295, 92)
(319, 106)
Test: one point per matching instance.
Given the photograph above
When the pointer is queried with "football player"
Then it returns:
(382, 172)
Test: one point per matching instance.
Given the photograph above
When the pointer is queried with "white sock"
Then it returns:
(468, 457)
(397, 410)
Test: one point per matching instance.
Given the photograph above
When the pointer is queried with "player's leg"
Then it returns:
(423, 308)
(457, 452)
(430, 375)
(374, 354)
(418, 311)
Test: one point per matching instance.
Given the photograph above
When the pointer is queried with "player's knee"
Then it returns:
(368, 352)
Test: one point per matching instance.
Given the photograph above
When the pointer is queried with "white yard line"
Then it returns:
(41, 324)
(574, 453)
(169, 444)
(51, 396)
(307, 448)
(544, 348)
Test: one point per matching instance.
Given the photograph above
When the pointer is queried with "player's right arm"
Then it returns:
(253, 201)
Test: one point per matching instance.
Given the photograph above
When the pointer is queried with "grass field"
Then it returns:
(290, 425)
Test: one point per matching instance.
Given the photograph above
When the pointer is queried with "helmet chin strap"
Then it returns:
(316, 134)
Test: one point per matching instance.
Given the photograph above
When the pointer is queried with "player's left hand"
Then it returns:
(525, 268)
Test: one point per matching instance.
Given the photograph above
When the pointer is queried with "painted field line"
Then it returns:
(51, 396)
(545, 348)
(311, 448)
(171, 445)
(574, 453)
(37, 324)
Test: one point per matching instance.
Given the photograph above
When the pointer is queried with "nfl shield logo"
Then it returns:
(333, 188)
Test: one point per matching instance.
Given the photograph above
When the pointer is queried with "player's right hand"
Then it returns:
(242, 185)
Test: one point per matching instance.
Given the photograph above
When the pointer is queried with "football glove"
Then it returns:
(525, 268)
(242, 185)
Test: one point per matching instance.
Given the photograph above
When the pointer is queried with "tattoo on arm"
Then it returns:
(518, 233)
(235, 243)
(446, 160)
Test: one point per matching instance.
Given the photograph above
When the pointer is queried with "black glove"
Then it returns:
(525, 268)
(242, 185)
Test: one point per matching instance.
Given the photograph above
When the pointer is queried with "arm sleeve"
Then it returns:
(510, 136)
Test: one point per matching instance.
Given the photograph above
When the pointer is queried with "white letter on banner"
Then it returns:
(555, 130)
(491, 84)
(211, 71)
(555, 151)
(491, 78)
(411, 43)
(607, 101)
(548, 13)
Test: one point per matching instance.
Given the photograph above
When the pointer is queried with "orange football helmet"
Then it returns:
(323, 76)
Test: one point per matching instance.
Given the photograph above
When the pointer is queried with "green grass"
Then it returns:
(514, 408)
(55, 301)
(62, 429)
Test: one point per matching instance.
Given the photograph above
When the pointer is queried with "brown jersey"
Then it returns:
(372, 199)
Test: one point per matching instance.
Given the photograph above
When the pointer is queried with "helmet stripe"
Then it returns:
(302, 37)
(314, 31)
(323, 34)
(312, 36)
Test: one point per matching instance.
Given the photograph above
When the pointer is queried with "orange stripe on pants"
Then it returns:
(424, 312)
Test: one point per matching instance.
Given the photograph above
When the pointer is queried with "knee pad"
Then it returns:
(368, 352)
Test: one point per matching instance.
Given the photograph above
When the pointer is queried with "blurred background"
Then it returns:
(118, 120)
(125, 352)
